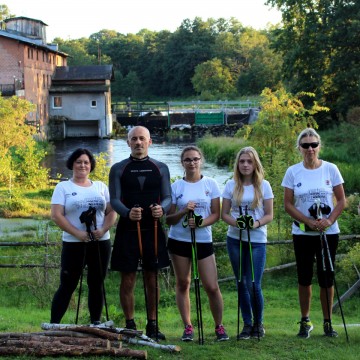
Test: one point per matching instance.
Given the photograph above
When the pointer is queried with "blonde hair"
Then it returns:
(257, 177)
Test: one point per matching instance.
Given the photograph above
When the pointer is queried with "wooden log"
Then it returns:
(57, 341)
(92, 330)
(347, 294)
(41, 351)
(57, 333)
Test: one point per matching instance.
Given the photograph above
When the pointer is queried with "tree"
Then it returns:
(213, 78)
(5, 12)
(261, 67)
(19, 156)
(320, 42)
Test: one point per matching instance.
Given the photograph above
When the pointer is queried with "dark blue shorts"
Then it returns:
(183, 248)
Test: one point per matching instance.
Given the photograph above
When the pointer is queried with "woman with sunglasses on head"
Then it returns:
(248, 193)
(199, 195)
(309, 189)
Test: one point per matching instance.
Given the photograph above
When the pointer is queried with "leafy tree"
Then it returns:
(261, 66)
(320, 42)
(131, 85)
(77, 49)
(212, 77)
(19, 156)
(5, 12)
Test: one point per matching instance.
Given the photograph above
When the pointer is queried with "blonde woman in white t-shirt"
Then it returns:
(248, 194)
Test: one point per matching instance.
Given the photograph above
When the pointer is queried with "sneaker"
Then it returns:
(305, 329)
(130, 324)
(245, 333)
(151, 331)
(328, 330)
(258, 331)
(96, 323)
(220, 333)
(188, 334)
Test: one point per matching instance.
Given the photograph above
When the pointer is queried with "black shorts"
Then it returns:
(126, 251)
(183, 248)
(308, 249)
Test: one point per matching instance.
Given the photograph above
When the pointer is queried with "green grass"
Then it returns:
(20, 312)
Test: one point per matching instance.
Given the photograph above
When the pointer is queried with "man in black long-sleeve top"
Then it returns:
(140, 193)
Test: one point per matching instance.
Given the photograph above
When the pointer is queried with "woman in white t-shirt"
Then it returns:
(82, 246)
(200, 195)
(248, 194)
(309, 185)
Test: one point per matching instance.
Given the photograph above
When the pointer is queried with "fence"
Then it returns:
(49, 244)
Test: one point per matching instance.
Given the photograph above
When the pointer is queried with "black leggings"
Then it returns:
(74, 257)
(309, 249)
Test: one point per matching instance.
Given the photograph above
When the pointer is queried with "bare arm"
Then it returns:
(225, 212)
(58, 216)
(339, 207)
(173, 216)
(109, 221)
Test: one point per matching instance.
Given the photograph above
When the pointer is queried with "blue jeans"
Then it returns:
(251, 312)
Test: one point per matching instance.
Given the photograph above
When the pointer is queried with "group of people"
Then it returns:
(141, 193)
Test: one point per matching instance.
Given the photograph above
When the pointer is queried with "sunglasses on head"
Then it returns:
(307, 145)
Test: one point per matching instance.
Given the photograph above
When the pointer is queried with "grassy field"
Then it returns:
(21, 311)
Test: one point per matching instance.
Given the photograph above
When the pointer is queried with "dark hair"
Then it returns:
(192, 148)
(76, 154)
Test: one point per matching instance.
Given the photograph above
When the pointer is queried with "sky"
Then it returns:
(73, 19)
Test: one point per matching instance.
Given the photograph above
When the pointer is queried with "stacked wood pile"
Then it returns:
(78, 340)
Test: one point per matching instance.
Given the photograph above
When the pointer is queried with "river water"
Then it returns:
(117, 150)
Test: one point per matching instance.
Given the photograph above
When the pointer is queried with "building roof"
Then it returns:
(23, 18)
(88, 73)
(30, 41)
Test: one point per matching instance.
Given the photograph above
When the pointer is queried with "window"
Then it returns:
(57, 102)
(93, 103)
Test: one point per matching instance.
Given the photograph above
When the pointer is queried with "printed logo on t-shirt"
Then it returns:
(74, 194)
(298, 184)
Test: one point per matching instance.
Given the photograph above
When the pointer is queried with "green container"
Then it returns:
(209, 118)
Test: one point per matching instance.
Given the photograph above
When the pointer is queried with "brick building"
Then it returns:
(27, 63)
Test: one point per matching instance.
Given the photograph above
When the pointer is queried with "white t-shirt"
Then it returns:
(258, 235)
(310, 185)
(77, 199)
(201, 192)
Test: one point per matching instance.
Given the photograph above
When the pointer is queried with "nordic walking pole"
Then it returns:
(101, 271)
(156, 278)
(318, 218)
(324, 243)
(335, 285)
(196, 283)
(241, 227)
(141, 262)
(252, 273)
(87, 218)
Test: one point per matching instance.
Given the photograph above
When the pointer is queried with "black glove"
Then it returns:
(324, 209)
(241, 222)
(185, 223)
(198, 220)
(249, 221)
